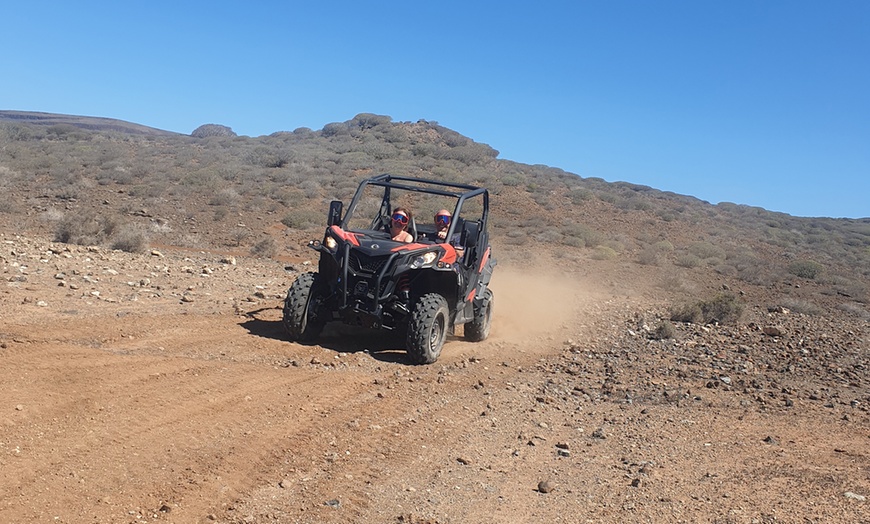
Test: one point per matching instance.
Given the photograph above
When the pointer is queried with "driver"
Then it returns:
(399, 225)
(442, 223)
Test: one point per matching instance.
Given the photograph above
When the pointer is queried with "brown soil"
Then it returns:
(160, 388)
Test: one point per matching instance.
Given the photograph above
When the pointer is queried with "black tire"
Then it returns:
(304, 317)
(427, 328)
(478, 329)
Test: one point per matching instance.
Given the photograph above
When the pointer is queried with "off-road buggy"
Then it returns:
(422, 289)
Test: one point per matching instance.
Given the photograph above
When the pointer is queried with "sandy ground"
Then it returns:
(160, 388)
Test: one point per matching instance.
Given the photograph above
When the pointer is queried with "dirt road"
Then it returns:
(160, 388)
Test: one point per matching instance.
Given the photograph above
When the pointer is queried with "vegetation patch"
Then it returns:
(664, 331)
(603, 253)
(808, 269)
(724, 308)
(798, 305)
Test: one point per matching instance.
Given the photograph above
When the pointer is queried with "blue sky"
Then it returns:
(763, 102)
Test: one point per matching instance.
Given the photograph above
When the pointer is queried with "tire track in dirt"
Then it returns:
(187, 432)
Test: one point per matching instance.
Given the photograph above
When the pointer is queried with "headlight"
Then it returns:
(330, 243)
(424, 260)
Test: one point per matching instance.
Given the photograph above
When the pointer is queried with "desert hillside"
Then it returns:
(653, 358)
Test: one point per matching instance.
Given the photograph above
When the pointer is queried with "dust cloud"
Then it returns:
(529, 304)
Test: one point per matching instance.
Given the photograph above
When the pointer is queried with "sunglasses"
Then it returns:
(442, 219)
(401, 219)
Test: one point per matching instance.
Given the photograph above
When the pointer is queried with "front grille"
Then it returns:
(360, 262)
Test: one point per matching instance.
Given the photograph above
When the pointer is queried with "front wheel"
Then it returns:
(478, 329)
(427, 328)
(304, 317)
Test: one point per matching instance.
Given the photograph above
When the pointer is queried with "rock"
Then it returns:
(155, 253)
(546, 486)
(772, 331)
(854, 496)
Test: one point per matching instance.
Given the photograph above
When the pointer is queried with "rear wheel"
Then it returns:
(427, 328)
(478, 329)
(304, 317)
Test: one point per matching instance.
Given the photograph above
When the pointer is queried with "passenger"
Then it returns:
(399, 224)
(442, 224)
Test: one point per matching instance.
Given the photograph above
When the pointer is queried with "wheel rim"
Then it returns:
(436, 333)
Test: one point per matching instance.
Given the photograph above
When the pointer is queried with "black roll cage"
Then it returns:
(388, 182)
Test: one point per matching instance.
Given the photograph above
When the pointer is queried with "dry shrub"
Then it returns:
(265, 248)
(706, 250)
(130, 239)
(649, 256)
(663, 246)
(724, 308)
(665, 330)
(603, 253)
(303, 219)
(800, 306)
(517, 237)
(674, 282)
(725, 269)
(688, 260)
(854, 309)
(582, 235)
(85, 228)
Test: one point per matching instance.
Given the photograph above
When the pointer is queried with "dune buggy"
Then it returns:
(422, 289)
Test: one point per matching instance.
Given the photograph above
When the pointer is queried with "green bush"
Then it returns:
(808, 269)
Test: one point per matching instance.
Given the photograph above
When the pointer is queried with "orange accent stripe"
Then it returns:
(345, 235)
(471, 295)
(449, 254)
(406, 247)
(484, 260)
